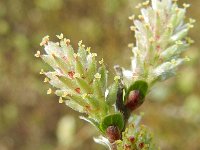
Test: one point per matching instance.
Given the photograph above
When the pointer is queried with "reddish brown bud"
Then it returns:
(113, 133)
(131, 139)
(134, 100)
(127, 147)
(78, 90)
(71, 74)
(141, 145)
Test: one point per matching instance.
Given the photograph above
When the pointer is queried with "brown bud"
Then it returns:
(134, 100)
(132, 139)
(113, 133)
(141, 145)
(127, 147)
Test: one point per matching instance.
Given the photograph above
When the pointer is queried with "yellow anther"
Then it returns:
(146, 3)
(94, 54)
(77, 75)
(190, 25)
(44, 40)
(179, 42)
(177, 9)
(37, 54)
(189, 40)
(64, 94)
(131, 17)
(88, 49)
(46, 80)
(49, 91)
(133, 28)
(84, 95)
(75, 55)
(97, 76)
(101, 61)
(60, 36)
(61, 100)
(139, 6)
(186, 5)
(130, 45)
(191, 20)
(116, 78)
(67, 41)
(187, 58)
(141, 17)
(80, 43)
(42, 71)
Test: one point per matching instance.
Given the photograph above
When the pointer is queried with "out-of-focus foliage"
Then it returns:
(29, 119)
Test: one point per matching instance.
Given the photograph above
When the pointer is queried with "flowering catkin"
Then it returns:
(80, 80)
(161, 36)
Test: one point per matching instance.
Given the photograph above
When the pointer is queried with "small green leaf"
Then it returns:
(83, 55)
(62, 64)
(172, 51)
(93, 101)
(180, 35)
(97, 88)
(84, 85)
(112, 95)
(91, 121)
(79, 68)
(180, 16)
(92, 68)
(71, 84)
(78, 99)
(70, 54)
(140, 85)
(114, 119)
(75, 106)
(49, 60)
(64, 93)
(103, 72)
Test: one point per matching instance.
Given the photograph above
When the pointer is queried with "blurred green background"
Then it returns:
(30, 120)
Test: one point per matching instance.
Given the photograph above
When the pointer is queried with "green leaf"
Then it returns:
(54, 80)
(112, 95)
(49, 60)
(180, 16)
(78, 99)
(83, 55)
(62, 64)
(103, 141)
(84, 85)
(79, 68)
(114, 119)
(63, 93)
(70, 54)
(92, 68)
(103, 72)
(140, 85)
(75, 106)
(95, 103)
(71, 84)
(97, 88)
(180, 35)
(172, 51)
(91, 121)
